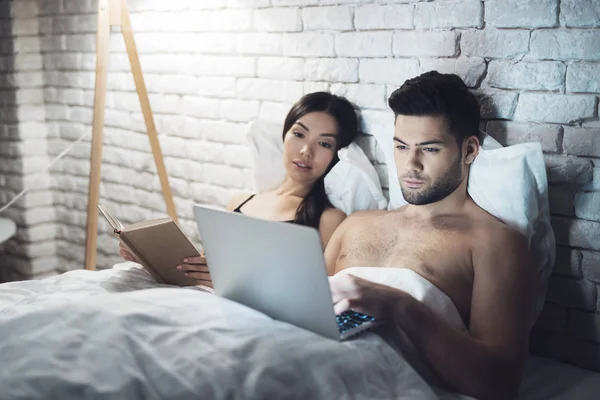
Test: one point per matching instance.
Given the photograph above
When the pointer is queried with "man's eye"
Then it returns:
(298, 134)
(431, 150)
(401, 147)
(326, 145)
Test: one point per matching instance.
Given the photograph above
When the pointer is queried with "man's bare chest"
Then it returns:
(439, 253)
(395, 242)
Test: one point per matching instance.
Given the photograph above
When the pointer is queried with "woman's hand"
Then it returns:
(196, 268)
(125, 254)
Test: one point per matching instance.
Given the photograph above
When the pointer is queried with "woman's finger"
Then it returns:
(199, 276)
(126, 255)
(195, 260)
(193, 268)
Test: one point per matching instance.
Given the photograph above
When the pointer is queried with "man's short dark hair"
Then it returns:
(439, 95)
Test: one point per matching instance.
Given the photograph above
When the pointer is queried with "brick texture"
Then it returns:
(214, 68)
(522, 13)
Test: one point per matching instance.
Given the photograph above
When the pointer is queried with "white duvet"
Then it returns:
(116, 334)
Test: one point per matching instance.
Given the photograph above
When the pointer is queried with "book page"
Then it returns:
(147, 224)
(113, 221)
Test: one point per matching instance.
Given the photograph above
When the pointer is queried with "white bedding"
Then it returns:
(117, 334)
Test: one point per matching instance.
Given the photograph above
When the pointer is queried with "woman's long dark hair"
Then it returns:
(310, 210)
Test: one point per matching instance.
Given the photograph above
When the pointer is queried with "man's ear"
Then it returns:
(471, 149)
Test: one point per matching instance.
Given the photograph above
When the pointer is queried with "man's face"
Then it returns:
(428, 160)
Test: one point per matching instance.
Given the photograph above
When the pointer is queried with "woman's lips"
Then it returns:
(300, 165)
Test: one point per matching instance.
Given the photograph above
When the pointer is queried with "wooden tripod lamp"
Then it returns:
(115, 13)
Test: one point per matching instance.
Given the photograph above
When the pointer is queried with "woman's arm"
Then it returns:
(330, 220)
(195, 267)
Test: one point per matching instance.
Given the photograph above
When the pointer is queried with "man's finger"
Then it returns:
(341, 306)
(342, 287)
(337, 295)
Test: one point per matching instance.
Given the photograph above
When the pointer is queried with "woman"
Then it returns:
(316, 127)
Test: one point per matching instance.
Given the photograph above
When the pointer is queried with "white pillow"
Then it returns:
(266, 148)
(509, 183)
(351, 185)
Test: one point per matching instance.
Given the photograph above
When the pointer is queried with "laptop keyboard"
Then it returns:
(351, 319)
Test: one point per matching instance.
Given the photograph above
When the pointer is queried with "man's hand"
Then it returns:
(351, 292)
(196, 268)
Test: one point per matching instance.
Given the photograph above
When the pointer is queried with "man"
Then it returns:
(480, 263)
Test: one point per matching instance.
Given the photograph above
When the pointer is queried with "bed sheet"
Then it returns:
(117, 334)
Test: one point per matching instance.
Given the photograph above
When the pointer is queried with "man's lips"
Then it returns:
(413, 183)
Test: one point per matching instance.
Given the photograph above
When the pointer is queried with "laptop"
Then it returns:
(276, 268)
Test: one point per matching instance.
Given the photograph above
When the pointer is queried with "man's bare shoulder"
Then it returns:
(497, 241)
(490, 231)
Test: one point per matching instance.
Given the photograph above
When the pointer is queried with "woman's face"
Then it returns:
(309, 146)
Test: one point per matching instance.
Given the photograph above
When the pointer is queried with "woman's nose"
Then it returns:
(306, 151)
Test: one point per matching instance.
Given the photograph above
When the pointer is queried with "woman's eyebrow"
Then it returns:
(303, 126)
(333, 135)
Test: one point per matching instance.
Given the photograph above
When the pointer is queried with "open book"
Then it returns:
(158, 244)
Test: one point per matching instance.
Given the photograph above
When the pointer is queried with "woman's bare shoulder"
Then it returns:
(330, 220)
(333, 216)
(237, 199)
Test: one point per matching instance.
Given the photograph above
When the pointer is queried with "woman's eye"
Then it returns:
(298, 134)
(326, 145)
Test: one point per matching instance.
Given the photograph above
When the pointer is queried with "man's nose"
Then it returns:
(413, 162)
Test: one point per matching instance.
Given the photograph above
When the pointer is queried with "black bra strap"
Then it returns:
(238, 208)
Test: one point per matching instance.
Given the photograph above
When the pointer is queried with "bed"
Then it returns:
(117, 334)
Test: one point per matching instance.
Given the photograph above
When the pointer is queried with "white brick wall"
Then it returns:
(383, 17)
(443, 14)
(24, 149)
(522, 13)
(213, 67)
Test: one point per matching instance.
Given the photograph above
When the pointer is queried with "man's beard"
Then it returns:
(439, 190)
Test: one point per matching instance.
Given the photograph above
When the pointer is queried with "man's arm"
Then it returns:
(486, 362)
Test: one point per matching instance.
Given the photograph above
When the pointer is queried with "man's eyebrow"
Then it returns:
(429, 142)
(440, 142)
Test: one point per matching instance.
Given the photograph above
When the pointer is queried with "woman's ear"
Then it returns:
(471, 149)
